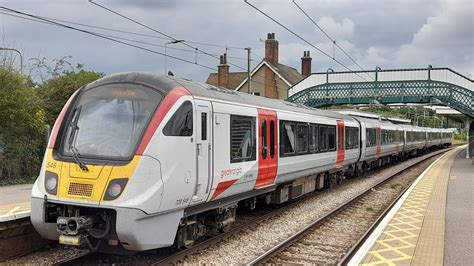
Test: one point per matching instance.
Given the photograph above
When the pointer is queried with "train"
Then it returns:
(139, 161)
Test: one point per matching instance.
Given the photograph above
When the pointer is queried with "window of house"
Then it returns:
(287, 138)
(181, 123)
(302, 138)
(242, 139)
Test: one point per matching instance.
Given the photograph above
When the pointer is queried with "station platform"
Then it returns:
(431, 224)
(15, 202)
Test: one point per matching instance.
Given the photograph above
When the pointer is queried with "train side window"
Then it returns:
(272, 138)
(242, 139)
(313, 138)
(287, 138)
(352, 138)
(203, 126)
(331, 138)
(264, 139)
(323, 135)
(181, 123)
(302, 138)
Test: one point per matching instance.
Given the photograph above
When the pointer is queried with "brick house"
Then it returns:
(269, 78)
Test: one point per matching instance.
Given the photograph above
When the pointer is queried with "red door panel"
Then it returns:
(340, 144)
(267, 148)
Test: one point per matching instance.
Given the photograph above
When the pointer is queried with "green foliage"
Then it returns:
(26, 110)
(56, 91)
(22, 127)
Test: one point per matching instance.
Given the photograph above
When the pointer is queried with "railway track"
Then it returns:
(173, 256)
(332, 238)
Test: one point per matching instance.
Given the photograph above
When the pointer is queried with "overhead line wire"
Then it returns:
(328, 36)
(303, 39)
(101, 36)
(162, 33)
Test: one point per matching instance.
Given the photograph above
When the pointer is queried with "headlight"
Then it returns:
(115, 188)
(51, 182)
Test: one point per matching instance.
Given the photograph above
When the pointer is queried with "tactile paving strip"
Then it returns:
(415, 235)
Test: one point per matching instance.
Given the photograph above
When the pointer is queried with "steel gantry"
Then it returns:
(430, 85)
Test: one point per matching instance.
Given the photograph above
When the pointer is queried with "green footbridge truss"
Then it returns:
(441, 86)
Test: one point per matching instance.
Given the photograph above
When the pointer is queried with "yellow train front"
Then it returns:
(99, 185)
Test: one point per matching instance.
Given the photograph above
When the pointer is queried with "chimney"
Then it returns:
(223, 72)
(271, 49)
(306, 64)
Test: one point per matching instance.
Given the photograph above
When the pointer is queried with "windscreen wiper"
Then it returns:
(72, 148)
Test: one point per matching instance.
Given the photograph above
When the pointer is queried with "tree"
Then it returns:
(56, 91)
(22, 127)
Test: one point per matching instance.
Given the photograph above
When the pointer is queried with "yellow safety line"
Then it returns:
(397, 244)
(13, 210)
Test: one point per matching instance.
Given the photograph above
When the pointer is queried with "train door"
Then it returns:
(340, 144)
(267, 148)
(203, 146)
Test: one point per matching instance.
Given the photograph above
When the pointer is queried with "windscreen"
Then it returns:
(108, 121)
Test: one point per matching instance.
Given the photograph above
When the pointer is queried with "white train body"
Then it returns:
(193, 152)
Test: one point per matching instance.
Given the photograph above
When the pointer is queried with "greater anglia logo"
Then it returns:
(229, 172)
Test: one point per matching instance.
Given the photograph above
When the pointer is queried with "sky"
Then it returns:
(387, 34)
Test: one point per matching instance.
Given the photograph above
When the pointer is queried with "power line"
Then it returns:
(327, 35)
(303, 39)
(39, 19)
(139, 34)
(160, 32)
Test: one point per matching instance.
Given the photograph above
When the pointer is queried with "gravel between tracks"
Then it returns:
(250, 243)
(329, 242)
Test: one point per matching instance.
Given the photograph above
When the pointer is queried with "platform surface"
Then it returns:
(414, 231)
(15, 201)
(459, 242)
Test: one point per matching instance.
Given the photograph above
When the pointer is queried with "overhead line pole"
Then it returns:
(249, 80)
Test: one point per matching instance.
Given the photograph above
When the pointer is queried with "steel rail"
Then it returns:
(306, 230)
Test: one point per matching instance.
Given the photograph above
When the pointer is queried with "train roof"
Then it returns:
(202, 90)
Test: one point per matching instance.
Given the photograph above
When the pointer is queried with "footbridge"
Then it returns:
(437, 86)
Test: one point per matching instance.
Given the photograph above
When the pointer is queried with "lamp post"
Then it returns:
(15, 50)
(166, 56)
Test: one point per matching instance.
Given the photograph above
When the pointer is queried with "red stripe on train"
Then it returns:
(222, 186)
(165, 106)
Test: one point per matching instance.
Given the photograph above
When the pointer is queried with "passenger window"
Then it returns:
(287, 138)
(272, 138)
(331, 138)
(323, 138)
(313, 138)
(302, 138)
(242, 139)
(203, 126)
(264, 139)
(181, 123)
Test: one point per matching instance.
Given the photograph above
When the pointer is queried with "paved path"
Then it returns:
(14, 199)
(459, 242)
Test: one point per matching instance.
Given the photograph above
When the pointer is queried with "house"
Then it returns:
(269, 78)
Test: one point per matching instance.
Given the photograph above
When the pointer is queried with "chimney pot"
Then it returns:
(223, 72)
(271, 49)
(306, 64)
